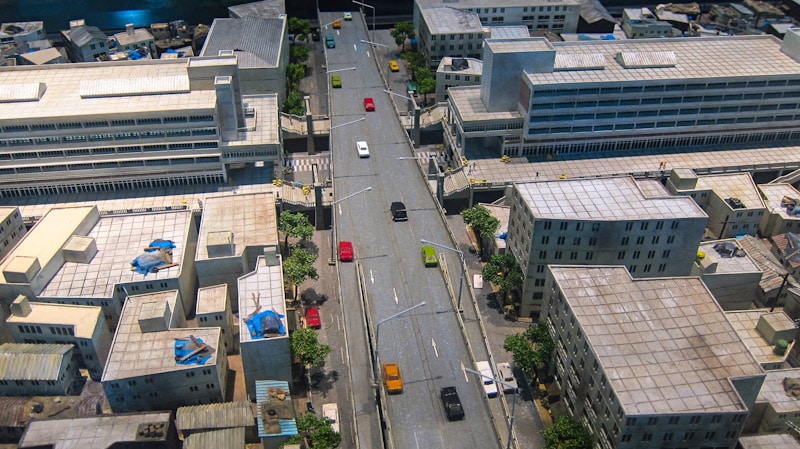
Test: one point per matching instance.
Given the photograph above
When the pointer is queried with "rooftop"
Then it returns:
(768, 441)
(120, 239)
(247, 220)
(99, 432)
(23, 361)
(215, 416)
(446, 20)
(14, 28)
(263, 9)
(775, 392)
(735, 185)
(729, 256)
(509, 31)
(449, 64)
(652, 188)
(135, 36)
(256, 41)
(215, 439)
(83, 319)
(42, 56)
(744, 323)
(212, 299)
(606, 199)
(698, 59)
(261, 291)
(788, 245)
(135, 353)
(464, 4)
(518, 45)
(471, 108)
(260, 128)
(664, 344)
(771, 268)
(274, 395)
(65, 83)
(772, 195)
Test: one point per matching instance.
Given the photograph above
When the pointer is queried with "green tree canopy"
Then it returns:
(308, 349)
(299, 26)
(481, 220)
(295, 225)
(294, 104)
(401, 32)
(294, 72)
(414, 59)
(522, 352)
(298, 53)
(503, 271)
(426, 83)
(567, 433)
(299, 266)
(318, 432)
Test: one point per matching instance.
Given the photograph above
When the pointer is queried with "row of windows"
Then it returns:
(78, 152)
(612, 90)
(111, 165)
(453, 36)
(668, 436)
(107, 186)
(556, 18)
(110, 137)
(107, 123)
(61, 330)
(452, 47)
(654, 143)
(466, 77)
(524, 9)
(27, 382)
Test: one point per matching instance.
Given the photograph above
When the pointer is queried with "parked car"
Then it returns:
(392, 378)
(348, 15)
(362, 148)
(312, 317)
(398, 211)
(331, 411)
(315, 35)
(329, 42)
(489, 386)
(369, 104)
(336, 81)
(345, 251)
(429, 256)
(506, 374)
(394, 66)
(452, 404)
(337, 23)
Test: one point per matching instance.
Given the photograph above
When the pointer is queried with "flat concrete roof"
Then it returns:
(98, 432)
(509, 31)
(250, 219)
(261, 128)
(664, 343)
(602, 199)
(468, 104)
(260, 291)
(464, 4)
(120, 239)
(447, 20)
(212, 299)
(745, 321)
(726, 264)
(84, 319)
(135, 353)
(520, 45)
(150, 86)
(772, 195)
(735, 185)
(773, 391)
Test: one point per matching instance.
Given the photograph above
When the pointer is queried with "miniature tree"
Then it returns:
(299, 266)
(308, 350)
(298, 53)
(294, 225)
(481, 221)
(567, 433)
(503, 271)
(401, 32)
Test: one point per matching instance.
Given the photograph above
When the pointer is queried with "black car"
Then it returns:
(452, 404)
(399, 211)
(315, 35)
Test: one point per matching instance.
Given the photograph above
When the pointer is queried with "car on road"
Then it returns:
(429, 256)
(394, 66)
(336, 81)
(362, 148)
(452, 404)
(506, 374)
(345, 251)
(315, 35)
(398, 211)
(489, 386)
(348, 15)
(331, 411)
(392, 378)
(329, 42)
(337, 23)
(312, 317)
(369, 104)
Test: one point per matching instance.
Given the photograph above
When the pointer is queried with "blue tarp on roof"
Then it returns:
(184, 347)
(264, 323)
(153, 257)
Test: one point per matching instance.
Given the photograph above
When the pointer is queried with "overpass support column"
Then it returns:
(319, 209)
(309, 127)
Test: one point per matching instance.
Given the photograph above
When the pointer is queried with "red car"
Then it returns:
(312, 317)
(345, 251)
(369, 104)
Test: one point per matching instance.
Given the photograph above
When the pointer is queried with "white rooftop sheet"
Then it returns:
(21, 92)
(644, 60)
(578, 61)
(134, 86)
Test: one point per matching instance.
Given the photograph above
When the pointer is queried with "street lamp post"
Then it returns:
(373, 16)
(513, 401)
(378, 332)
(330, 149)
(364, 41)
(332, 260)
(460, 255)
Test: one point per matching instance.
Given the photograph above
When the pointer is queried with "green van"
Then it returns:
(429, 256)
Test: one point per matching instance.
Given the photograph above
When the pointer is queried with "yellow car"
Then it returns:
(337, 24)
(394, 66)
(429, 256)
(392, 378)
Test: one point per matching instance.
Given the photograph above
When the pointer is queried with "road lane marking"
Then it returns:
(367, 53)
(371, 277)
(341, 351)
(340, 208)
(464, 371)
(395, 295)
(355, 47)
(436, 351)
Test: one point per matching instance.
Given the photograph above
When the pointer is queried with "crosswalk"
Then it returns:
(306, 164)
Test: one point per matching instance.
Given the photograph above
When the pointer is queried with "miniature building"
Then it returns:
(782, 215)
(732, 201)
(132, 125)
(81, 326)
(234, 232)
(73, 255)
(457, 72)
(38, 370)
(775, 279)
(640, 23)
(595, 18)
(263, 333)
(650, 360)
(777, 405)
(20, 33)
(214, 310)
(12, 229)
(198, 419)
(786, 247)
(762, 332)
(728, 272)
(768, 441)
(136, 39)
(84, 43)
(40, 57)
(450, 32)
(155, 366)
(134, 430)
(262, 9)
(276, 414)
(599, 222)
(261, 50)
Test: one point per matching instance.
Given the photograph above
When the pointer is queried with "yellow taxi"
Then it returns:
(337, 24)
(394, 66)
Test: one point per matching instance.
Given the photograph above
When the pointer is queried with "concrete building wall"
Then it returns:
(263, 359)
(12, 229)
(69, 382)
(733, 291)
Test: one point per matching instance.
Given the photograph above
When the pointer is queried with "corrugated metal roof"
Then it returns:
(21, 92)
(577, 61)
(125, 87)
(232, 438)
(14, 411)
(215, 416)
(769, 264)
(647, 59)
(288, 427)
(256, 41)
(23, 361)
(82, 35)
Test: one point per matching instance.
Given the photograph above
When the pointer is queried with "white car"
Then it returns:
(363, 149)
(348, 16)
(505, 374)
(331, 411)
(489, 386)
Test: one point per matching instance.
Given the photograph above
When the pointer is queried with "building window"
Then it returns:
(621, 255)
